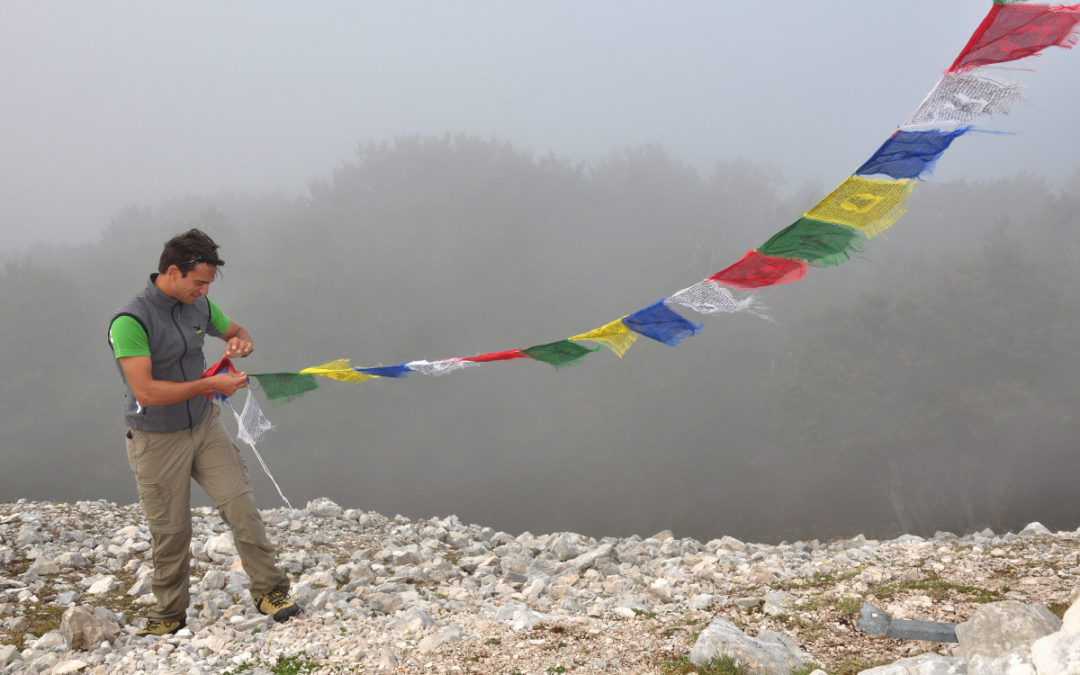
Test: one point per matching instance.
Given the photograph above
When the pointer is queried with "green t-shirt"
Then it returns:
(127, 337)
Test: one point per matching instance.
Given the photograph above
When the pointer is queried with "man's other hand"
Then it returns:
(227, 384)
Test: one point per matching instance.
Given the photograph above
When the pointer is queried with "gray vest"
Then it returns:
(176, 332)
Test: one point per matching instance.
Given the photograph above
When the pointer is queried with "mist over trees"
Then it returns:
(929, 384)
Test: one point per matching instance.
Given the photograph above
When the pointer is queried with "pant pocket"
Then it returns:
(153, 494)
(155, 502)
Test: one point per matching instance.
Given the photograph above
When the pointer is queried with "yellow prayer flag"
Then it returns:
(338, 369)
(867, 205)
(615, 335)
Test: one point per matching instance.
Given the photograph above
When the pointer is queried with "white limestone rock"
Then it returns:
(1035, 529)
(1056, 653)
(441, 637)
(221, 547)
(103, 585)
(764, 654)
(9, 654)
(923, 664)
(1070, 622)
(324, 508)
(998, 628)
(83, 628)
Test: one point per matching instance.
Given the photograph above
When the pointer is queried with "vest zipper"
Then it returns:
(180, 362)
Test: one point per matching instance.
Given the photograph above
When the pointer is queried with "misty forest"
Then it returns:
(929, 384)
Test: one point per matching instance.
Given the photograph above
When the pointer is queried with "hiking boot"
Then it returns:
(277, 604)
(159, 628)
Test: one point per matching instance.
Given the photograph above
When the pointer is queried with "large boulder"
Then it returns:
(769, 653)
(1070, 623)
(83, 628)
(998, 628)
(1060, 651)
(1056, 653)
(8, 654)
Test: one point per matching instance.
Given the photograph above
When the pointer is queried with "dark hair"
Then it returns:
(188, 250)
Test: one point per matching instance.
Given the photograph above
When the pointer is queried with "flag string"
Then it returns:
(863, 206)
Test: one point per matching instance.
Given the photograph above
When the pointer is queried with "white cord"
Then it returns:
(244, 434)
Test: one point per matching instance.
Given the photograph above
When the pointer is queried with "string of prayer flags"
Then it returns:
(865, 204)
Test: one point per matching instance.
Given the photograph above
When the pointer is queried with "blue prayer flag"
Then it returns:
(400, 370)
(910, 154)
(662, 324)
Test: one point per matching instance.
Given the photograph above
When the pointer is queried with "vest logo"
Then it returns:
(198, 330)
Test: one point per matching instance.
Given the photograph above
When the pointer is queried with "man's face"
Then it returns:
(187, 289)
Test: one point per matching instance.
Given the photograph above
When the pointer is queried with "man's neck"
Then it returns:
(162, 283)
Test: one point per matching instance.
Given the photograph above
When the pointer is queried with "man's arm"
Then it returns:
(150, 392)
(237, 341)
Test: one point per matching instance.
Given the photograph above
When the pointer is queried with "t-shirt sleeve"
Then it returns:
(219, 323)
(127, 337)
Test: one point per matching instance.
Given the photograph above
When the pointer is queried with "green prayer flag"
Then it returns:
(284, 387)
(815, 242)
(558, 353)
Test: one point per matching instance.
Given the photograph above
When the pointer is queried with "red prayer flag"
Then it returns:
(497, 356)
(222, 366)
(1013, 31)
(756, 270)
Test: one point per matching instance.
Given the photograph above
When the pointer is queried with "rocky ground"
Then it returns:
(439, 596)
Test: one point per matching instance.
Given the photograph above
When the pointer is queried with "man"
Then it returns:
(175, 432)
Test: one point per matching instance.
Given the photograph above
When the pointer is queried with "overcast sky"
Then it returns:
(108, 104)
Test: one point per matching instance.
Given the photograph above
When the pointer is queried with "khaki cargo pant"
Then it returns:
(164, 464)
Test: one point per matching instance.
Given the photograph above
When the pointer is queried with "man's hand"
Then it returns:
(227, 384)
(239, 345)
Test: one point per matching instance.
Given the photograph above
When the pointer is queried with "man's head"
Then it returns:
(188, 250)
(188, 265)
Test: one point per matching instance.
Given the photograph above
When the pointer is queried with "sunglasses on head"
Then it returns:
(196, 261)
